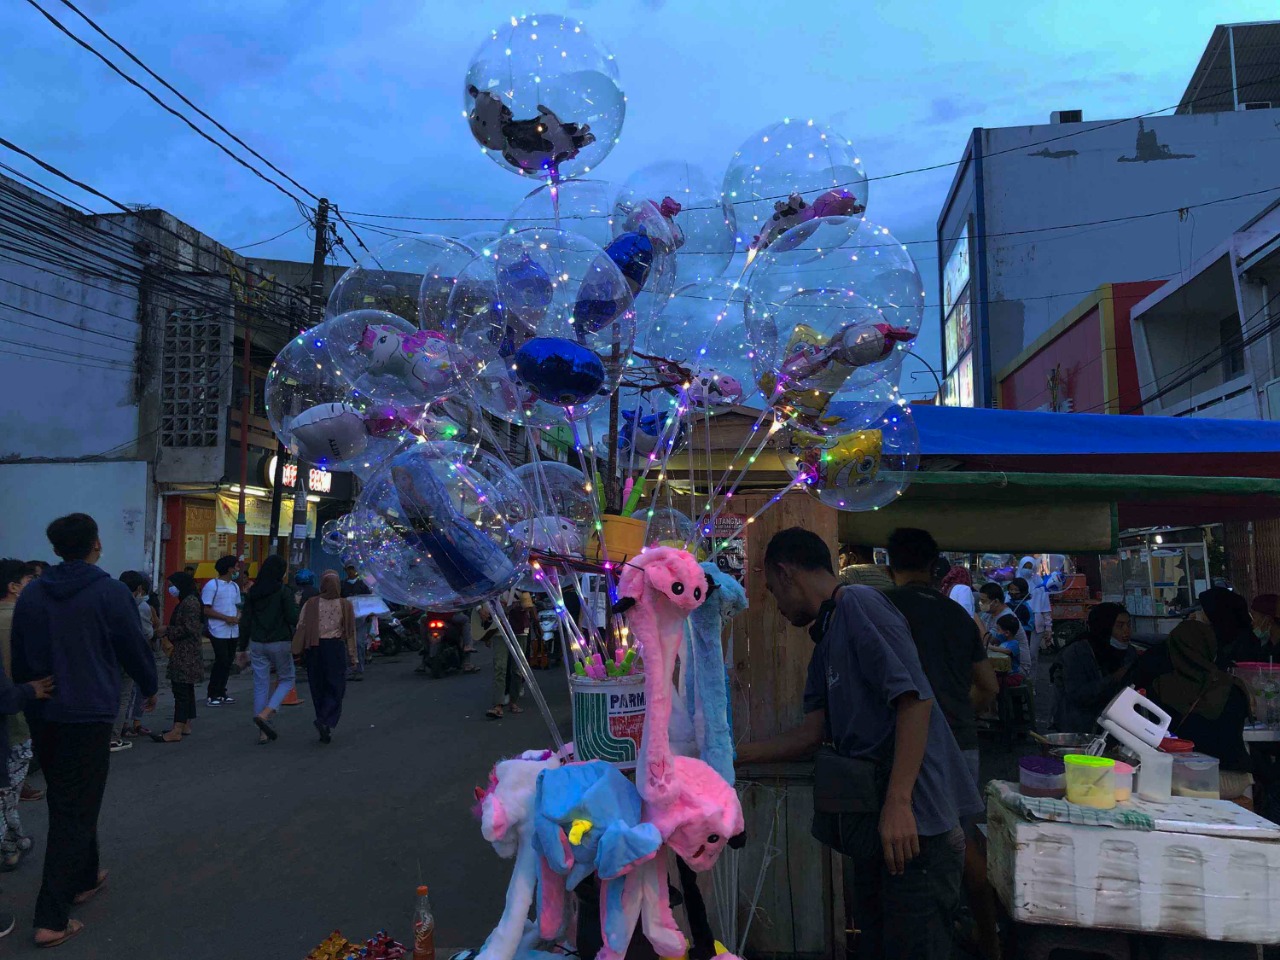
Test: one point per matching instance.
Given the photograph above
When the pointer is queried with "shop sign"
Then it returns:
(257, 516)
(318, 481)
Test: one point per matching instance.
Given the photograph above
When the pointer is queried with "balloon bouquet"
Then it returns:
(607, 321)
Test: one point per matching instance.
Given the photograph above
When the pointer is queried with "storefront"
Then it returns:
(201, 522)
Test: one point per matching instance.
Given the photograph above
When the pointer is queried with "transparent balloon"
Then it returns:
(670, 527)
(852, 407)
(333, 536)
(789, 172)
(834, 300)
(389, 360)
(390, 277)
(700, 339)
(705, 224)
(862, 469)
(319, 416)
(542, 97)
(641, 240)
(650, 428)
(543, 328)
(435, 525)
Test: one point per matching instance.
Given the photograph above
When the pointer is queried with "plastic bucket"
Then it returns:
(623, 539)
(1091, 781)
(608, 719)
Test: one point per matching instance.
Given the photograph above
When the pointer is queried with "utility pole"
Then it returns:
(314, 314)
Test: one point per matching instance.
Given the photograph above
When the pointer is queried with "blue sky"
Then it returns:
(360, 101)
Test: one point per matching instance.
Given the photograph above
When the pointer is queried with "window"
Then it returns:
(1231, 341)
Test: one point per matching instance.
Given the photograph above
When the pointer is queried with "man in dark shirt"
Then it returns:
(963, 679)
(868, 696)
(354, 586)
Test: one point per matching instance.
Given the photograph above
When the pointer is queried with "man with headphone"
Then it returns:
(890, 786)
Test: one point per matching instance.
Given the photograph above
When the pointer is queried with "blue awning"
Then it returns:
(982, 439)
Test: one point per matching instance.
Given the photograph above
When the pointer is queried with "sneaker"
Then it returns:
(228, 699)
(118, 745)
(214, 702)
(7, 922)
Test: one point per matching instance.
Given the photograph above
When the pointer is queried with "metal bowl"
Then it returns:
(1061, 744)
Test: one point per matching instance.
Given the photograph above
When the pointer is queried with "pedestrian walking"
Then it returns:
(79, 625)
(266, 636)
(222, 602)
(183, 644)
(129, 722)
(14, 844)
(326, 637)
(354, 586)
(507, 680)
(305, 581)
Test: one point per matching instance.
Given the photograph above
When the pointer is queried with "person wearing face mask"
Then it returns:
(1017, 593)
(182, 644)
(1091, 670)
(991, 608)
(1265, 646)
(222, 601)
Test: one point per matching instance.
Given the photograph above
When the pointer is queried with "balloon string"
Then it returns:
(667, 446)
(706, 520)
(526, 671)
(741, 531)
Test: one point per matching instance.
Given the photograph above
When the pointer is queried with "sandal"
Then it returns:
(73, 927)
(470, 669)
(516, 708)
(86, 895)
(267, 729)
(494, 713)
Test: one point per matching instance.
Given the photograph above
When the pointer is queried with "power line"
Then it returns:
(168, 86)
(258, 243)
(160, 103)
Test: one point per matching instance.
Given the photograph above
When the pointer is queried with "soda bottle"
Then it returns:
(424, 928)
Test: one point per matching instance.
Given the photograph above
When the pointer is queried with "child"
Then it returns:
(1005, 637)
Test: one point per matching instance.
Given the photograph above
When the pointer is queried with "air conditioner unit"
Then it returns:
(1273, 399)
(1066, 116)
(1255, 105)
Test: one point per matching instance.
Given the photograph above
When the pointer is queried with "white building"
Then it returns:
(1039, 216)
(121, 343)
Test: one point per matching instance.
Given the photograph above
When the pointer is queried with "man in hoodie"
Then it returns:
(81, 626)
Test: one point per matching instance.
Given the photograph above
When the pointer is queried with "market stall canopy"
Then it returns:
(1011, 479)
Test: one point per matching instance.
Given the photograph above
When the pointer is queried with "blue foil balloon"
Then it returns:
(559, 371)
(525, 290)
(633, 254)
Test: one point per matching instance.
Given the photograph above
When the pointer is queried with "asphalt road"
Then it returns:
(219, 848)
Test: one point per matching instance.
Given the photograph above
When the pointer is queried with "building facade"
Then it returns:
(1038, 216)
(130, 342)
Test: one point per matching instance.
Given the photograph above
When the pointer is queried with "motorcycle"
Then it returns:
(441, 647)
(399, 632)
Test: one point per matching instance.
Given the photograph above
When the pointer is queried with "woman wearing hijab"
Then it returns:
(1265, 646)
(183, 645)
(326, 637)
(958, 585)
(1227, 613)
(1092, 670)
(1209, 706)
(267, 624)
(1037, 599)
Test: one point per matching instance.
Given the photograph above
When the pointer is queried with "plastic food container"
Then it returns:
(1124, 782)
(1174, 745)
(1042, 777)
(1091, 781)
(1195, 775)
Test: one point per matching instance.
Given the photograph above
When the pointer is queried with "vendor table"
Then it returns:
(1262, 734)
(1203, 869)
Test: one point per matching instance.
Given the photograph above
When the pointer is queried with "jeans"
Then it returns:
(910, 916)
(184, 702)
(327, 677)
(76, 759)
(264, 656)
(224, 652)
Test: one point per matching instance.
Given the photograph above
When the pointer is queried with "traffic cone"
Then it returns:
(291, 699)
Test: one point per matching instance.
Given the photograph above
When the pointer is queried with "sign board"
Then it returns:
(257, 517)
(318, 481)
(728, 541)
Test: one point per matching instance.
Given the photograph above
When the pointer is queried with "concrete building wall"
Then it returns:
(70, 331)
(117, 495)
(1067, 207)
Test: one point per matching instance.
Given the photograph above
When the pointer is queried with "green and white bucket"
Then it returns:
(608, 719)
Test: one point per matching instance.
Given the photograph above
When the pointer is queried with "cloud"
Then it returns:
(945, 110)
